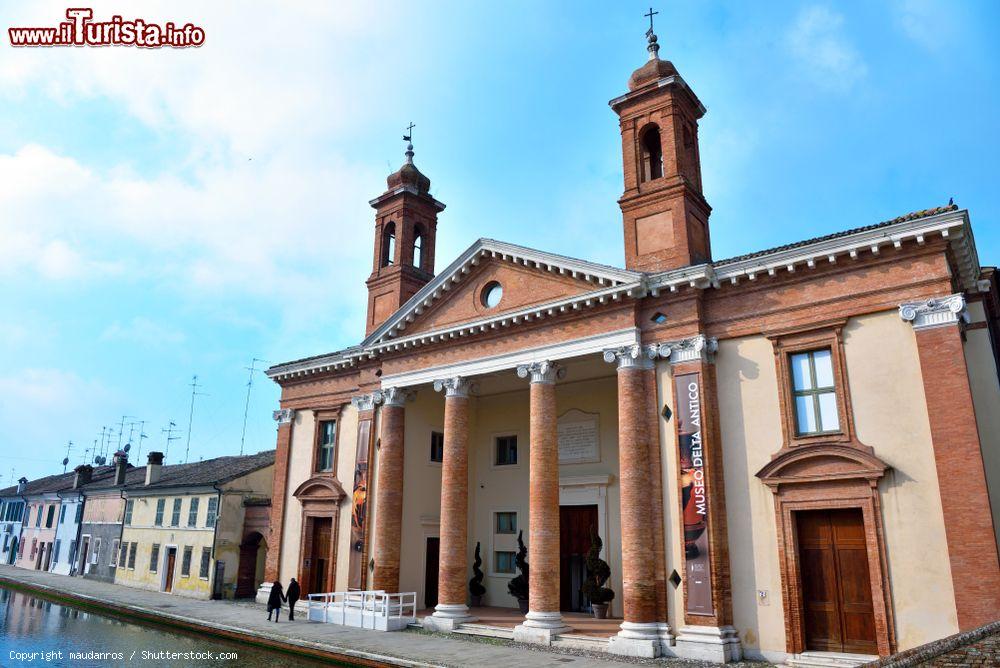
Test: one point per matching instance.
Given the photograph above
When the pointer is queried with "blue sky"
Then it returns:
(171, 213)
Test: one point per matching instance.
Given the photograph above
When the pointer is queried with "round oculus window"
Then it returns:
(492, 294)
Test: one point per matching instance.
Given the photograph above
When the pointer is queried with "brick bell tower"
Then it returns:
(664, 212)
(405, 231)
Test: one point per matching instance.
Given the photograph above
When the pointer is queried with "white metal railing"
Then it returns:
(376, 610)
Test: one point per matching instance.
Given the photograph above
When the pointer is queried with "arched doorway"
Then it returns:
(250, 573)
(321, 497)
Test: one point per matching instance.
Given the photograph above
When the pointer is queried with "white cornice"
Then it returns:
(557, 351)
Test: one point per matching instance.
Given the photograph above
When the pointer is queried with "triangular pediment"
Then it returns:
(528, 278)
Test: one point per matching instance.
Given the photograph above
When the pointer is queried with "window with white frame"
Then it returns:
(96, 553)
(114, 552)
(154, 557)
(504, 562)
(505, 450)
(814, 392)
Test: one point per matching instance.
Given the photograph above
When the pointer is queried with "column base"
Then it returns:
(540, 628)
(666, 639)
(639, 639)
(720, 644)
(447, 617)
(264, 593)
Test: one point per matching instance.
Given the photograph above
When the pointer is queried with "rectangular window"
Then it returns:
(186, 561)
(213, 511)
(327, 445)
(160, 505)
(123, 555)
(175, 516)
(506, 522)
(814, 392)
(131, 556)
(79, 512)
(154, 557)
(506, 450)
(72, 551)
(38, 517)
(503, 562)
(51, 517)
(193, 513)
(206, 559)
(128, 512)
(6, 541)
(62, 515)
(437, 446)
(114, 552)
(96, 554)
(55, 552)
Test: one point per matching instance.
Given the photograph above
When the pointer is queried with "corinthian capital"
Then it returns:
(541, 372)
(394, 396)
(935, 312)
(365, 402)
(632, 357)
(456, 386)
(284, 415)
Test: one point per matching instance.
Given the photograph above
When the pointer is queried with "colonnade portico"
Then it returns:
(644, 629)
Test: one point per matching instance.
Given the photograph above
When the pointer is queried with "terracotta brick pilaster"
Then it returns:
(543, 618)
(452, 567)
(279, 490)
(656, 493)
(389, 494)
(968, 521)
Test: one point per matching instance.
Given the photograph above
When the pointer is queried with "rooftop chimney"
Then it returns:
(83, 475)
(21, 484)
(121, 466)
(154, 466)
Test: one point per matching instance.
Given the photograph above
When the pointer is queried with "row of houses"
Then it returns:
(194, 529)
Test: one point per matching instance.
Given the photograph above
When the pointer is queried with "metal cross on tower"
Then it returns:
(650, 15)
(409, 132)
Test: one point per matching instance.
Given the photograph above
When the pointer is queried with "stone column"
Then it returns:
(451, 609)
(543, 620)
(972, 545)
(389, 492)
(640, 632)
(279, 490)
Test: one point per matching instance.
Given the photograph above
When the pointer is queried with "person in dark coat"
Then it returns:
(292, 595)
(274, 601)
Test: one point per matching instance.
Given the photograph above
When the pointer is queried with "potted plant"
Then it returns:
(518, 587)
(598, 573)
(476, 588)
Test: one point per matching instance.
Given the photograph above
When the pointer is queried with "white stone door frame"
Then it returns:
(164, 553)
(590, 490)
(430, 528)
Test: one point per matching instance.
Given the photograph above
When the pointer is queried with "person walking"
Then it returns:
(292, 595)
(274, 601)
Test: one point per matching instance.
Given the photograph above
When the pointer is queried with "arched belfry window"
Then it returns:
(388, 245)
(652, 154)
(418, 248)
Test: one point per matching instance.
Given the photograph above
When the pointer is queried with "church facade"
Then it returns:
(791, 451)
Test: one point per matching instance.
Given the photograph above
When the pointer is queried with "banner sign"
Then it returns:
(359, 508)
(694, 498)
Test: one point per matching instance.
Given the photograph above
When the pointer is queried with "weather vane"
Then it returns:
(408, 137)
(650, 15)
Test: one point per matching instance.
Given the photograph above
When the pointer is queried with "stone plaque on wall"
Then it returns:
(579, 437)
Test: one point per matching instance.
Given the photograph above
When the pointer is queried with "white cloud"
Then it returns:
(928, 23)
(822, 51)
(143, 331)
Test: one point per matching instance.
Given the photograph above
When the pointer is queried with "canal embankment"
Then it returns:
(247, 623)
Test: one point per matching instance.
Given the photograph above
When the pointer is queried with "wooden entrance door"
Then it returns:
(320, 555)
(171, 558)
(84, 551)
(836, 588)
(431, 572)
(575, 523)
(246, 573)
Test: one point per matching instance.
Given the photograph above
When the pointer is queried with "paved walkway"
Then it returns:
(405, 648)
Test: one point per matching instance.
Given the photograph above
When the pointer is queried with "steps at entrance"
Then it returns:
(485, 630)
(574, 641)
(828, 660)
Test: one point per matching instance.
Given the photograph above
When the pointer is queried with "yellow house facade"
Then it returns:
(183, 528)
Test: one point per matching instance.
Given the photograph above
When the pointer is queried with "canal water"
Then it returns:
(36, 632)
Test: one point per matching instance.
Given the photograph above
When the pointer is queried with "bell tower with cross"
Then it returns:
(664, 213)
(405, 233)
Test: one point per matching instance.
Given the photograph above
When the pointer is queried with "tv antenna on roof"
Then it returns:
(169, 431)
(69, 446)
(194, 393)
(246, 408)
